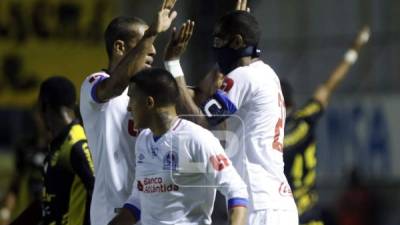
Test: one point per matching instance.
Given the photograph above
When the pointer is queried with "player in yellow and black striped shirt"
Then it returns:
(68, 168)
(299, 142)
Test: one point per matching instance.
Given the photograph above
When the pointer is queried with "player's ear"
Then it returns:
(119, 48)
(237, 42)
(150, 103)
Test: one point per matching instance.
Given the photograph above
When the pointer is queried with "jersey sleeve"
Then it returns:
(310, 112)
(133, 202)
(88, 89)
(221, 173)
(82, 164)
(230, 98)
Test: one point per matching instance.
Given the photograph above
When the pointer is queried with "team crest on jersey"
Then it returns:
(227, 84)
(170, 161)
(141, 158)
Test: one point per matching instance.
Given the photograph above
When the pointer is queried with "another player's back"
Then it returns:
(258, 125)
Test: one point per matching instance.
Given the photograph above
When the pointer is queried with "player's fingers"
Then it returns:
(190, 31)
(164, 4)
(238, 4)
(181, 35)
(244, 5)
(170, 4)
(187, 31)
(248, 9)
(173, 15)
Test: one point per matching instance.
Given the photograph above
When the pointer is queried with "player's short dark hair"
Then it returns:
(243, 23)
(287, 92)
(120, 29)
(56, 92)
(158, 83)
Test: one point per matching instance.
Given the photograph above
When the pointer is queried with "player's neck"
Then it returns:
(112, 64)
(163, 120)
(59, 124)
(244, 61)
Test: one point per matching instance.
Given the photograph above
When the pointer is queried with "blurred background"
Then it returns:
(358, 137)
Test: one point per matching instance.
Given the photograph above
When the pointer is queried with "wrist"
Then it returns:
(174, 67)
(351, 56)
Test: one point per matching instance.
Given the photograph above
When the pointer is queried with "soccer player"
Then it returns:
(104, 101)
(179, 165)
(252, 106)
(68, 167)
(299, 141)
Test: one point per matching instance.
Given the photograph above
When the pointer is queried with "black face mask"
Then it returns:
(227, 57)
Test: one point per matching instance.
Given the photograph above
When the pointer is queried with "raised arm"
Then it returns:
(324, 92)
(135, 59)
(175, 49)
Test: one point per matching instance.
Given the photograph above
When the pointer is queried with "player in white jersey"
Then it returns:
(252, 106)
(103, 104)
(179, 165)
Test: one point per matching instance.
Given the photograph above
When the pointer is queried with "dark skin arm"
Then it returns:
(135, 59)
(324, 92)
(175, 49)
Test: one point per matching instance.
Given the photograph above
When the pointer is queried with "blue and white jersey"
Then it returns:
(177, 176)
(111, 137)
(252, 104)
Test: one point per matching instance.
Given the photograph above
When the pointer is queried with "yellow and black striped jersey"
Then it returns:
(300, 154)
(68, 179)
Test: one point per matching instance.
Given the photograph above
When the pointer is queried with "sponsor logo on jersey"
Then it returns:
(227, 84)
(284, 189)
(170, 161)
(155, 185)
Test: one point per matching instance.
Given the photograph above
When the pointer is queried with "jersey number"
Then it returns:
(279, 125)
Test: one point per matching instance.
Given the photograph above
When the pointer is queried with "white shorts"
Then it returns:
(273, 217)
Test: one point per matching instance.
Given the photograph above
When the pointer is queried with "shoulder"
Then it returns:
(76, 134)
(142, 136)
(96, 76)
(196, 134)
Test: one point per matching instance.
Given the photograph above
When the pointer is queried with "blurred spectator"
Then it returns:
(40, 12)
(26, 184)
(95, 29)
(69, 14)
(357, 205)
(17, 21)
(12, 72)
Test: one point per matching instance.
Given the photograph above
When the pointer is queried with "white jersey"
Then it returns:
(253, 97)
(177, 176)
(111, 136)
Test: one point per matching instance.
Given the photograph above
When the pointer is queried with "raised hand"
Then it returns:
(241, 5)
(362, 37)
(164, 17)
(179, 41)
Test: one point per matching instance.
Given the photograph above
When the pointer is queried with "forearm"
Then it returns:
(208, 86)
(133, 62)
(238, 216)
(187, 107)
(336, 77)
